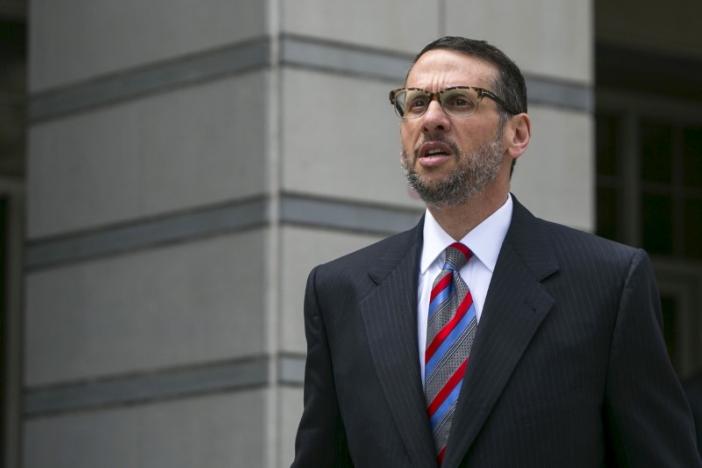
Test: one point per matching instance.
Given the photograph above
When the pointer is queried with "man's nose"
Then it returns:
(435, 118)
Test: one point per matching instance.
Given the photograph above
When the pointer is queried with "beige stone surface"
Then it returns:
(555, 177)
(167, 152)
(289, 413)
(75, 40)
(171, 306)
(402, 25)
(302, 249)
(210, 431)
(340, 138)
(544, 37)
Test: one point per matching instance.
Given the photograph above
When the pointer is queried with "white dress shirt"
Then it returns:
(485, 241)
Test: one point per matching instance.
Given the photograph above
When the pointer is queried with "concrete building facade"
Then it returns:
(189, 162)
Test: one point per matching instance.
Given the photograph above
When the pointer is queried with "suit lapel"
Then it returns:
(515, 306)
(390, 317)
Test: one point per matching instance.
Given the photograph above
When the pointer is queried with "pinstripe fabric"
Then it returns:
(568, 366)
(451, 325)
(392, 343)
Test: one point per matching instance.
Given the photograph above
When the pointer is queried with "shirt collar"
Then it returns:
(484, 240)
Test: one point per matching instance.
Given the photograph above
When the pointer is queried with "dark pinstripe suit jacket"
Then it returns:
(568, 368)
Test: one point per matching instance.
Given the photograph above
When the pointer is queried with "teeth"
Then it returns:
(433, 152)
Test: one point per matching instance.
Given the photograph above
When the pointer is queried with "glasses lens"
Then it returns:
(459, 101)
(415, 102)
(398, 101)
(412, 103)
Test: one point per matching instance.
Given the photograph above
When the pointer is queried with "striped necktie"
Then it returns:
(451, 324)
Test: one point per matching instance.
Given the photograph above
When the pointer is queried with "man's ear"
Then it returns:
(518, 134)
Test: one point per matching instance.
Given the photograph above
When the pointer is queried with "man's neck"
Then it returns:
(458, 220)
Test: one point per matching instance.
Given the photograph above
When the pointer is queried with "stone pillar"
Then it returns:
(146, 324)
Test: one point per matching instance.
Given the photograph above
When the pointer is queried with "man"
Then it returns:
(484, 337)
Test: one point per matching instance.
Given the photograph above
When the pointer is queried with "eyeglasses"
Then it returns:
(459, 101)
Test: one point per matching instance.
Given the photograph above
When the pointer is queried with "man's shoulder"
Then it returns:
(572, 249)
(574, 245)
(571, 237)
(533, 231)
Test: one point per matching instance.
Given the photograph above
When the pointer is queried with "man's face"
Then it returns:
(449, 159)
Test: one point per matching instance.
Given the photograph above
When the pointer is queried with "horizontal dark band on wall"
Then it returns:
(147, 387)
(298, 210)
(162, 385)
(295, 51)
(152, 78)
(316, 54)
(560, 94)
(146, 233)
(346, 215)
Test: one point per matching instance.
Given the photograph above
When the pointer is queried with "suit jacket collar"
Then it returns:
(515, 306)
(390, 317)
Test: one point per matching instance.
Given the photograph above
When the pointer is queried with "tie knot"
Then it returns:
(457, 255)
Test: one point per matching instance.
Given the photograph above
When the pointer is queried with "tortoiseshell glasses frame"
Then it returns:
(460, 101)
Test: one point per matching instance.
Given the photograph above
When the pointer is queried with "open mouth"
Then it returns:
(436, 152)
(433, 149)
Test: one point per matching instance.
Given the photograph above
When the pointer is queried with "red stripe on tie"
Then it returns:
(448, 328)
(448, 388)
(462, 248)
(441, 285)
(440, 456)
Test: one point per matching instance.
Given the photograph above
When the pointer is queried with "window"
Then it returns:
(668, 186)
(649, 180)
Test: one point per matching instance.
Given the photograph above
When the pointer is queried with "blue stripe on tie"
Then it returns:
(450, 340)
(440, 298)
(446, 405)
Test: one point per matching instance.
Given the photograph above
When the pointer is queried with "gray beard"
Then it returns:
(474, 172)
